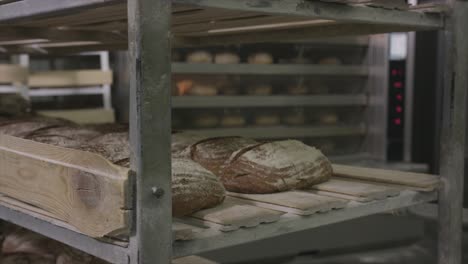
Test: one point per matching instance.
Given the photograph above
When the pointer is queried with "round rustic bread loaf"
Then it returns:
(181, 141)
(213, 152)
(205, 120)
(23, 127)
(226, 58)
(203, 89)
(64, 136)
(260, 58)
(233, 120)
(267, 119)
(14, 105)
(275, 167)
(200, 56)
(194, 188)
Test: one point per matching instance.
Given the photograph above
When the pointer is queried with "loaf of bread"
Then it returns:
(328, 119)
(267, 119)
(275, 167)
(199, 56)
(260, 58)
(194, 188)
(212, 153)
(233, 120)
(205, 120)
(181, 141)
(226, 58)
(203, 89)
(260, 89)
(298, 90)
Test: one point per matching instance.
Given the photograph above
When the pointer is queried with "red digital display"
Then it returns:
(398, 85)
(399, 109)
(397, 121)
(399, 97)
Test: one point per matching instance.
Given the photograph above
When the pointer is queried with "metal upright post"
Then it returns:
(150, 129)
(455, 51)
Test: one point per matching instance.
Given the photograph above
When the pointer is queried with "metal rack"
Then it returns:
(149, 42)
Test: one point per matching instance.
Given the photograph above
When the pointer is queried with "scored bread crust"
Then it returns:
(212, 153)
(275, 167)
(194, 188)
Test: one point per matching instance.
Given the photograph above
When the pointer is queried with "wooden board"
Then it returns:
(231, 216)
(366, 190)
(79, 188)
(296, 202)
(83, 116)
(420, 180)
(12, 74)
(61, 79)
(192, 260)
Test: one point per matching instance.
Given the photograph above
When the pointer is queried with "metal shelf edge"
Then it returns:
(109, 252)
(267, 101)
(214, 239)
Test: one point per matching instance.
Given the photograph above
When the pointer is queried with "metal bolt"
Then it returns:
(158, 192)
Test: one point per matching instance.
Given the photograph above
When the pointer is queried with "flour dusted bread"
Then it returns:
(275, 167)
(212, 153)
(260, 58)
(200, 56)
(193, 188)
(226, 58)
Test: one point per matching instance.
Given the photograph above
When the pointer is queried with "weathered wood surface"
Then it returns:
(79, 188)
(232, 215)
(53, 79)
(419, 180)
(363, 190)
(83, 116)
(12, 74)
(296, 202)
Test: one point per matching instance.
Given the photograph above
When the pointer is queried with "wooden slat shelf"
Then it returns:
(57, 26)
(351, 193)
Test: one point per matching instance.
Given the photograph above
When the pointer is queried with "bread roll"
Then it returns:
(205, 120)
(328, 119)
(199, 56)
(227, 58)
(260, 58)
(233, 120)
(267, 119)
(298, 90)
(260, 89)
(275, 167)
(203, 90)
(330, 61)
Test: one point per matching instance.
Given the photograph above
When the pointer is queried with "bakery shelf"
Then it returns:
(283, 131)
(241, 218)
(101, 24)
(96, 24)
(66, 91)
(268, 101)
(272, 69)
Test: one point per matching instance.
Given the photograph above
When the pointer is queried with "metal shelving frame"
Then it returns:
(150, 101)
